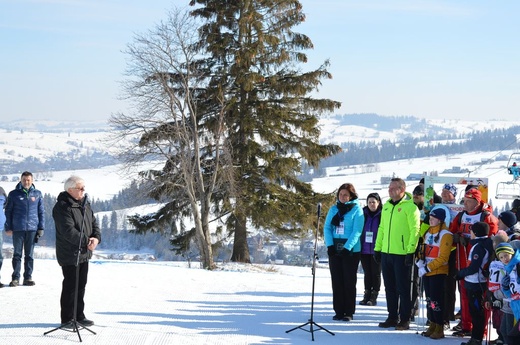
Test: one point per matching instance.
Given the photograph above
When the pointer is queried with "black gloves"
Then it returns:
(346, 252)
(39, 234)
(460, 239)
(377, 257)
(456, 238)
(456, 275)
(408, 260)
(331, 250)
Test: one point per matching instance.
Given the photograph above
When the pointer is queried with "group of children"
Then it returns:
(491, 280)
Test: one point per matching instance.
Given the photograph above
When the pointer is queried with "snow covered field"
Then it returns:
(158, 303)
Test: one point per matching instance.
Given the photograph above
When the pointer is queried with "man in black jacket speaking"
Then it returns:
(73, 217)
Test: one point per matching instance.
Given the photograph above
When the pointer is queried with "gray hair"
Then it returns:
(72, 182)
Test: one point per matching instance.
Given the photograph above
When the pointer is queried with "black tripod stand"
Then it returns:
(311, 322)
(73, 325)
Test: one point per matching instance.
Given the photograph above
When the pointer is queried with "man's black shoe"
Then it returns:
(388, 323)
(29, 282)
(68, 326)
(86, 322)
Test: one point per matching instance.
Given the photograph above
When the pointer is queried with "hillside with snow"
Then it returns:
(46, 140)
(334, 130)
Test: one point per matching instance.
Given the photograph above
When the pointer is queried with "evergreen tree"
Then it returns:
(113, 221)
(271, 119)
(107, 237)
(49, 236)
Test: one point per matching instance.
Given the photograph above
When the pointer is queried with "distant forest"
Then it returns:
(406, 148)
(369, 152)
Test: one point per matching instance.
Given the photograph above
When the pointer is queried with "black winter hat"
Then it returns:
(480, 229)
(508, 218)
(438, 213)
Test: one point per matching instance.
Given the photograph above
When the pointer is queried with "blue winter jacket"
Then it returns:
(515, 260)
(24, 210)
(353, 220)
(2, 205)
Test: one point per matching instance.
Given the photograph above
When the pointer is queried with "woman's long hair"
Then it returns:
(351, 190)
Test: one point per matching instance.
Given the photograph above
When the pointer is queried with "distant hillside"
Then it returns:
(363, 127)
(46, 146)
(381, 123)
(54, 126)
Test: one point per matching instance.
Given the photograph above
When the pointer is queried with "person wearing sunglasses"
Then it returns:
(77, 236)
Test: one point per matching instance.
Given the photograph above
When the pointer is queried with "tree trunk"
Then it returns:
(203, 236)
(240, 248)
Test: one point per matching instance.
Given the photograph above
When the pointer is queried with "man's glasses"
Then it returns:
(81, 189)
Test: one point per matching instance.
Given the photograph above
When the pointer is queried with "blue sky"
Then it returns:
(63, 60)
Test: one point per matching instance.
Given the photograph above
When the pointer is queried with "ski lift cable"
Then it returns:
(495, 155)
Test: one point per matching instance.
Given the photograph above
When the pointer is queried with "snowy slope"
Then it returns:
(164, 303)
(333, 132)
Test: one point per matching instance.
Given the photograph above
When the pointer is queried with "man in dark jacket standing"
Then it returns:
(73, 216)
(24, 220)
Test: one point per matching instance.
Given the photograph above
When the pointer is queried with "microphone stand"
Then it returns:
(73, 325)
(311, 322)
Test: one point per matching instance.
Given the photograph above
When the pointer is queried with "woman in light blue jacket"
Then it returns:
(342, 231)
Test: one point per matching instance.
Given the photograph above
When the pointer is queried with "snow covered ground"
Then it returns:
(157, 303)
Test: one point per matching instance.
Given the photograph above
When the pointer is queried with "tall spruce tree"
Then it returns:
(270, 116)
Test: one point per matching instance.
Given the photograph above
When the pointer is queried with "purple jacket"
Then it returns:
(371, 224)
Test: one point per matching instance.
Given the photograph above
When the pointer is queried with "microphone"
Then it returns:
(319, 209)
(85, 197)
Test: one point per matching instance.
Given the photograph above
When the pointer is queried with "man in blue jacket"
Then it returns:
(24, 215)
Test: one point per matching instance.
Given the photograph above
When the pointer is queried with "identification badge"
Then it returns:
(340, 230)
(369, 237)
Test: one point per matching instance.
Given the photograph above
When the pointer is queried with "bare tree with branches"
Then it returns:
(172, 123)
